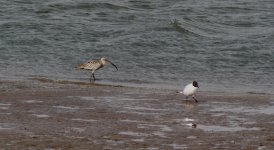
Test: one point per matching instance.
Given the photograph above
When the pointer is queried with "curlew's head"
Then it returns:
(195, 84)
(104, 61)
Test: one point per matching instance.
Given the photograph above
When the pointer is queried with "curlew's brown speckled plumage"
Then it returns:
(94, 65)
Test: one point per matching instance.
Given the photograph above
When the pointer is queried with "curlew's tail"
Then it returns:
(80, 66)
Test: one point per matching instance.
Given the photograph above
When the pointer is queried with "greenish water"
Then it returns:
(224, 45)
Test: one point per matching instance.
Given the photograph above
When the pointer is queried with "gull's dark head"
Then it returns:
(195, 84)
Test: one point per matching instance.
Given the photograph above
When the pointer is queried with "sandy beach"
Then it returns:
(53, 115)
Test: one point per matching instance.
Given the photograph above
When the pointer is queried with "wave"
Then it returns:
(179, 27)
(195, 28)
(61, 6)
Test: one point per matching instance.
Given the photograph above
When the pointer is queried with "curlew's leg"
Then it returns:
(195, 99)
(186, 98)
(93, 77)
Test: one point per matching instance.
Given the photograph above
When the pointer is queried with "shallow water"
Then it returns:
(96, 117)
(268, 110)
(224, 45)
(213, 128)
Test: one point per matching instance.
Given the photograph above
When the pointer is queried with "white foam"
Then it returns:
(5, 113)
(41, 115)
(116, 98)
(217, 114)
(268, 110)
(144, 108)
(166, 128)
(131, 121)
(189, 124)
(5, 104)
(97, 98)
(178, 146)
(163, 128)
(138, 113)
(5, 126)
(4, 108)
(78, 129)
(224, 128)
(88, 108)
(73, 108)
(114, 142)
(75, 137)
(84, 120)
(188, 119)
(184, 120)
(130, 133)
(225, 103)
(160, 134)
(138, 140)
(88, 98)
(191, 137)
(126, 99)
(261, 147)
(152, 148)
(66, 107)
(33, 101)
(250, 122)
(137, 99)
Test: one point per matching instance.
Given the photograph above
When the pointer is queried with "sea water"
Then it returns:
(224, 45)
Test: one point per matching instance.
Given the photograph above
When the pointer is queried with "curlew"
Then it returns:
(94, 65)
(190, 90)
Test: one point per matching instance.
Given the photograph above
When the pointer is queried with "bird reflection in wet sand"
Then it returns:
(94, 65)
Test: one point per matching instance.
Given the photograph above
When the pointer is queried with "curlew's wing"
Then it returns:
(91, 65)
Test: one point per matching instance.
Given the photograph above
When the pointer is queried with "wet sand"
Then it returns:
(53, 115)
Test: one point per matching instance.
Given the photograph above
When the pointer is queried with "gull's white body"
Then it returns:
(189, 90)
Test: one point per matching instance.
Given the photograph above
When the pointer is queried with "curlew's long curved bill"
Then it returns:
(112, 64)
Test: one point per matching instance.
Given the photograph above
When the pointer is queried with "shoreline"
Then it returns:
(37, 82)
(60, 115)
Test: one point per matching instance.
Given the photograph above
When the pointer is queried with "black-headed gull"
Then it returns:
(190, 90)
